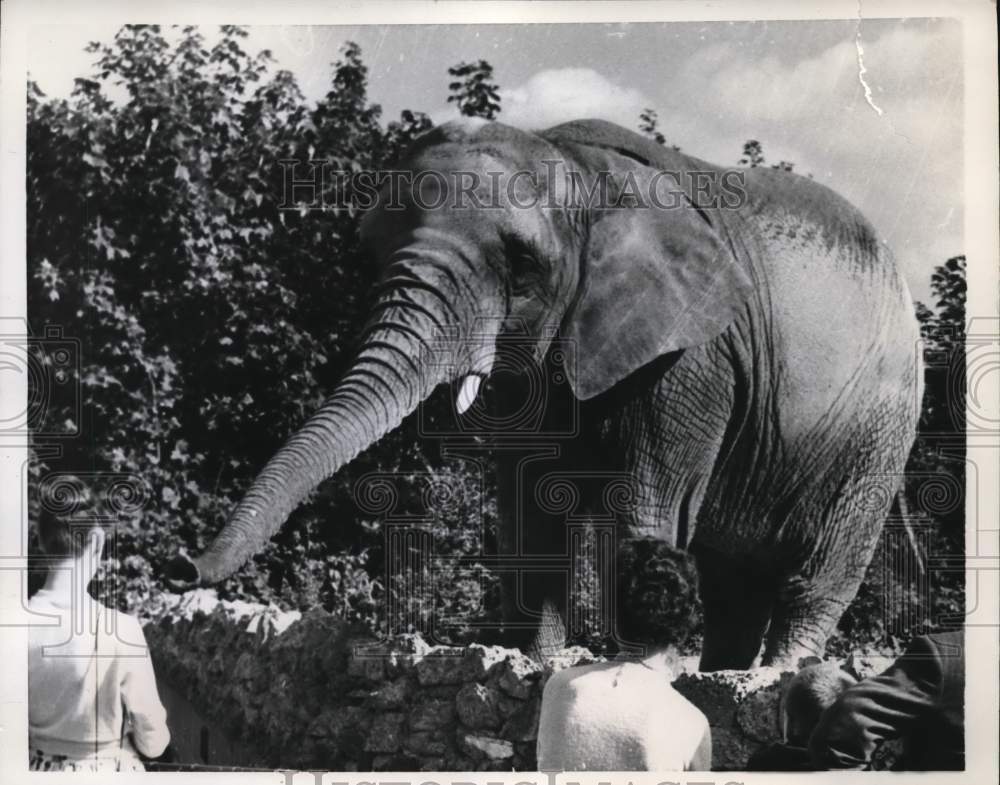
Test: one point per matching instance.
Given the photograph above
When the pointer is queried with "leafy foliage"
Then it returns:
(211, 321)
(943, 331)
(474, 91)
(648, 125)
(753, 154)
(402, 132)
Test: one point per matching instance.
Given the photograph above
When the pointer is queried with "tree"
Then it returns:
(345, 124)
(648, 123)
(474, 91)
(937, 465)
(215, 310)
(400, 134)
(943, 331)
(753, 154)
(948, 284)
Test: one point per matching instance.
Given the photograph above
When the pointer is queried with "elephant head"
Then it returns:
(484, 235)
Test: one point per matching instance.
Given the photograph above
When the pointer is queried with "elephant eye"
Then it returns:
(524, 264)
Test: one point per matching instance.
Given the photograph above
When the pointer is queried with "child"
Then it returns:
(89, 671)
(810, 692)
(920, 700)
(625, 715)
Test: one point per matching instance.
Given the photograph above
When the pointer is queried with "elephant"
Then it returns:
(746, 356)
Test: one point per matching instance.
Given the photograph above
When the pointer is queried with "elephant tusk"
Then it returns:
(467, 394)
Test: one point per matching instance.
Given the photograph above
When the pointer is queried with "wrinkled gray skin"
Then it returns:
(754, 369)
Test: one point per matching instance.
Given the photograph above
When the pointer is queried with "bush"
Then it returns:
(211, 321)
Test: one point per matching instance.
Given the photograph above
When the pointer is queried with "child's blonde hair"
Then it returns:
(811, 692)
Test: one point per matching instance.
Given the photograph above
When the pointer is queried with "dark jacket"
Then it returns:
(920, 700)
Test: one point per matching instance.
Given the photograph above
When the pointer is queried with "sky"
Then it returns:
(875, 111)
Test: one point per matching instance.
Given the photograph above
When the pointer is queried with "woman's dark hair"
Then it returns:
(657, 592)
(63, 506)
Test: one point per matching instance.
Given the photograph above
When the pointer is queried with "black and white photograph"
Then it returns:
(549, 391)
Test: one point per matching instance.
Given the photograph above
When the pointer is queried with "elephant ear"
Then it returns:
(654, 280)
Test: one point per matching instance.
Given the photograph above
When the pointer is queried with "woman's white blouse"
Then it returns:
(619, 716)
(88, 669)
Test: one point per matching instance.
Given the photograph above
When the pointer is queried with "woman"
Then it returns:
(625, 715)
(90, 678)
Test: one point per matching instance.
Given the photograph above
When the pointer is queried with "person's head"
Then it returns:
(657, 593)
(811, 692)
(66, 526)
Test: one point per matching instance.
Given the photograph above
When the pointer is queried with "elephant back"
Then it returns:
(602, 134)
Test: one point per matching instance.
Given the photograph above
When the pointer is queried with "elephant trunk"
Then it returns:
(391, 375)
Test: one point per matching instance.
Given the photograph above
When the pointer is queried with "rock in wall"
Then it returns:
(306, 691)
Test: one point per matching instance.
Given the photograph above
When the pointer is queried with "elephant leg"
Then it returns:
(531, 548)
(533, 611)
(737, 604)
(811, 601)
(813, 596)
(803, 620)
(551, 635)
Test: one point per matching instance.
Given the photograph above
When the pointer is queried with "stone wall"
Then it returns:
(306, 691)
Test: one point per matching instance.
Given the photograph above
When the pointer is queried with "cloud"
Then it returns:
(903, 168)
(911, 73)
(558, 95)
